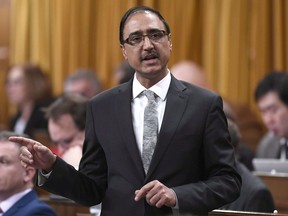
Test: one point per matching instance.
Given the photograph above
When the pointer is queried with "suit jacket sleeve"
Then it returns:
(219, 182)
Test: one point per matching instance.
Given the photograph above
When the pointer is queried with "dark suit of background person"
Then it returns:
(30, 205)
(254, 196)
(193, 160)
(35, 122)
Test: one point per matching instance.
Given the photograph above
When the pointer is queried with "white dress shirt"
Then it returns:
(139, 102)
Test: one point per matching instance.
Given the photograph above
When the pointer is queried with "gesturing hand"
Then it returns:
(156, 194)
(33, 153)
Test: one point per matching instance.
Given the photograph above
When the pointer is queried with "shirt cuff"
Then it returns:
(176, 199)
(42, 177)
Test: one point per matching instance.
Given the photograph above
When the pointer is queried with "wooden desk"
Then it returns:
(241, 213)
(66, 207)
(278, 185)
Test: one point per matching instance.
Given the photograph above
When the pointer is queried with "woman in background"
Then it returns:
(28, 88)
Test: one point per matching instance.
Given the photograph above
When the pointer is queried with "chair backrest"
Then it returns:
(278, 186)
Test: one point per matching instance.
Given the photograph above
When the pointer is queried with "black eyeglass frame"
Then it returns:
(149, 35)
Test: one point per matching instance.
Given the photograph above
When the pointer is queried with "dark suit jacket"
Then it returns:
(37, 121)
(30, 205)
(193, 155)
(254, 196)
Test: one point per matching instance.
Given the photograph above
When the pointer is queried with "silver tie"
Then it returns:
(150, 130)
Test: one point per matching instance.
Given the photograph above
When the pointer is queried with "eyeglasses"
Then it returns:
(65, 142)
(137, 39)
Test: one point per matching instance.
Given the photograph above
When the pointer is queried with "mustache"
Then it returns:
(149, 54)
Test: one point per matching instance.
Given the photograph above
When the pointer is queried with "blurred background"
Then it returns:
(236, 42)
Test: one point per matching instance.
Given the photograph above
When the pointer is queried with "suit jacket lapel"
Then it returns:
(175, 107)
(124, 121)
(14, 210)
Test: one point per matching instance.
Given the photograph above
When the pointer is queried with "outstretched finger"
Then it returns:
(22, 141)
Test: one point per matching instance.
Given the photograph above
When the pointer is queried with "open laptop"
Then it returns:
(270, 165)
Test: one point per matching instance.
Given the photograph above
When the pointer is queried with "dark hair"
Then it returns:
(126, 70)
(271, 83)
(72, 104)
(234, 133)
(140, 9)
(283, 90)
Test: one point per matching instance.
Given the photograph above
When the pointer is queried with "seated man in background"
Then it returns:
(254, 195)
(83, 82)
(192, 73)
(271, 96)
(66, 126)
(17, 197)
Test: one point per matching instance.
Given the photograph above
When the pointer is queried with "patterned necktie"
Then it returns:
(150, 130)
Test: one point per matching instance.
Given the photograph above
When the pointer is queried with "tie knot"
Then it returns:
(150, 95)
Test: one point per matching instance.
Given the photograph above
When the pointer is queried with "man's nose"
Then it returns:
(147, 43)
(268, 119)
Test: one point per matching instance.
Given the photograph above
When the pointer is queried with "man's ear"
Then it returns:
(29, 174)
(123, 51)
(170, 42)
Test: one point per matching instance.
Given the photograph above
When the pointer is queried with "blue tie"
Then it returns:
(150, 130)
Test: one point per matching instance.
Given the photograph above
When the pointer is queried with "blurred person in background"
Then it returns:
(17, 197)
(123, 73)
(271, 96)
(190, 72)
(83, 82)
(28, 88)
(66, 125)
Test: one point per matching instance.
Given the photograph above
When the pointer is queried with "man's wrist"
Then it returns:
(50, 168)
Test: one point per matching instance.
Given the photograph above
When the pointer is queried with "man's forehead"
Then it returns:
(8, 146)
(268, 100)
(142, 21)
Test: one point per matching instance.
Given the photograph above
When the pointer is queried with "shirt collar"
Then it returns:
(160, 88)
(8, 203)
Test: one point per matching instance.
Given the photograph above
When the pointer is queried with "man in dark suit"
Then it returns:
(192, 170)
(17, 197)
